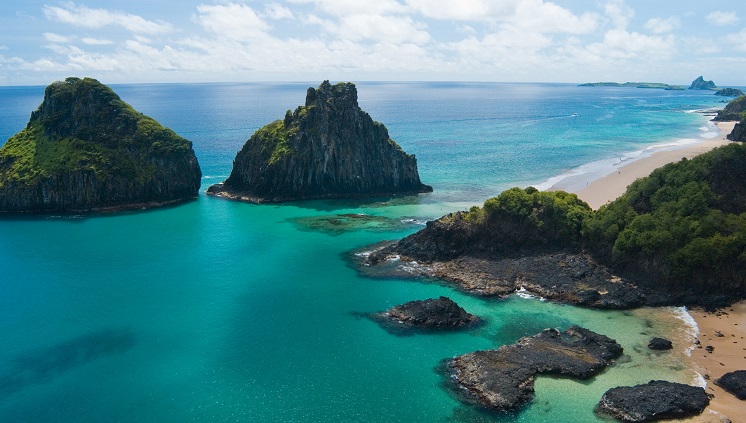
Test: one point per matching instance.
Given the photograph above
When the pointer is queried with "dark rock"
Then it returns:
(431, 314)
(709, 349)
(734, 382)
(732, 111)
(738, 133)
(701, 84)
(655, 400)
(729, 92)
(660, 344)
(84, 149)
(503, 379)
(328, 148)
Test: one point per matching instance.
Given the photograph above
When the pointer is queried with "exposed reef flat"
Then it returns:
(431, 315)
(327, 148)
(86, 150)
(653, 401)
(503, 379)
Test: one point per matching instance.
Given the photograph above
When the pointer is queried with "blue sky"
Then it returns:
(358, 40)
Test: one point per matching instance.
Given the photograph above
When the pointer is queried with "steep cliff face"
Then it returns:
(738, 133)
(84, 149)
(328, 148)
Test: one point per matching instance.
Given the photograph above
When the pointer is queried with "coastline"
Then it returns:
(729, 351)
(609, 187)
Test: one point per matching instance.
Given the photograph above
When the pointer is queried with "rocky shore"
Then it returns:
(653, 401)
(503, 379)
(431, 315)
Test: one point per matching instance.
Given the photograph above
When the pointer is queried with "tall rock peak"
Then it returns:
(84, 149)
(701, 84)
(327, 148)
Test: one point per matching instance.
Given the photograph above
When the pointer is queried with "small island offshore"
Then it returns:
(328, 148)
(86, 150)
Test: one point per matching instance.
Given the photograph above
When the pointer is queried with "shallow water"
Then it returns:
(217, 310)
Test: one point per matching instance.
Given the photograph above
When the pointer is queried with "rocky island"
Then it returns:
(653, 401)
(84, 149)
(701, 84)
(435, 314)
(327, 148)
(503, 379)
(729, 92)
(652, 85)
(676, 237)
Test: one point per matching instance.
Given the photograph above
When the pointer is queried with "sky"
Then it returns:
(148, 41)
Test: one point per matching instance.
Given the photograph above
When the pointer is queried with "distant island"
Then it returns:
(327, 148)
(86, 150)
(701, 84)
(653, 85)
(729, 92)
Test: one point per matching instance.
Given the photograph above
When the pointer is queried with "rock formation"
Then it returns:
(734, 382)
(729, 92)
(653, 401)
(431, 314)
(503, 379)
(328, 148)
(732, 111)
(660, 344)
(701, 84)
(738, 133)
(84, 149)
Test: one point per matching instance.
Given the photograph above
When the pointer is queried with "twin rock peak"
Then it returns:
(86, 150)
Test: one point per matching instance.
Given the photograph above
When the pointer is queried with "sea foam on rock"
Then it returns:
(328, 148)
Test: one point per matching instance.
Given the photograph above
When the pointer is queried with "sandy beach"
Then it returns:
(729, 350)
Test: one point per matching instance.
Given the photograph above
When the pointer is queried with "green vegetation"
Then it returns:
(82, 125)
(275, 139)
(546, 217)
(654, 85)
(684, 225)
(732, 110)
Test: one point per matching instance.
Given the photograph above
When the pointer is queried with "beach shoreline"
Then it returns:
(607, 188)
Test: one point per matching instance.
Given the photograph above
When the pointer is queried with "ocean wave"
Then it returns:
(523, 293)
(691, 329)
(414, 221)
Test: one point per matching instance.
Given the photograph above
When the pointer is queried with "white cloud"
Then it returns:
(96, 41)
(619, 13)
(277, 11)
(85, 17)
(56, 38)
(738, 39)
(661, 26)
(232, 21)
(355, 7)
(722, 18)
(391, 29)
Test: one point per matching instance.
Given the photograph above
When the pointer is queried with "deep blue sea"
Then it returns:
(224, 311)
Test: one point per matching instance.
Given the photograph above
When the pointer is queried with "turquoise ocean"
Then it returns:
(223, 311)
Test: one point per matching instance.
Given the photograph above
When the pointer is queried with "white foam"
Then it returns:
(523, 293)
(691, 328)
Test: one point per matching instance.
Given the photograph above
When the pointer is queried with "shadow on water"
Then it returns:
(365, 203)
(44, 364)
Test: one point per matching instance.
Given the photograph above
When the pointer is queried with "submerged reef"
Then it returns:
(327, 148)
(84, 149)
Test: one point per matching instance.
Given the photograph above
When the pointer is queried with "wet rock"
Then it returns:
(426, 315)
(734, 382)
(660, 344)
(503, 379)
(655, 400)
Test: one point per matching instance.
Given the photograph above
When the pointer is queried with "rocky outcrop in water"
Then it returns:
(328, 148)
(84, 149)
(701, 84)
(660, 344)
(435, 314)
(653, 401)
(729, 92)
(734, 382)
(503, 379)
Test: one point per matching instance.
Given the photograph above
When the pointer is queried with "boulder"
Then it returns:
(660, 344)
(734, 382)
(431, 314)
(655, 400)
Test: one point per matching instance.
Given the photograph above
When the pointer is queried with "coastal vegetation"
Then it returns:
(733, 110)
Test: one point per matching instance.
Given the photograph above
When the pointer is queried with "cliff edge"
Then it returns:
(327, 148)
(84, 149)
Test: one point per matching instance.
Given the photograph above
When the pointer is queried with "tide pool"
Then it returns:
(216, 310)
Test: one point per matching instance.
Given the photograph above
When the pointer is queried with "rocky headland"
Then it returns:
(86, 150)
(503, 379)
(732, 111)
(653, 401)
(435, 314)
(638, 250)
(327, 148)
(701, 84)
